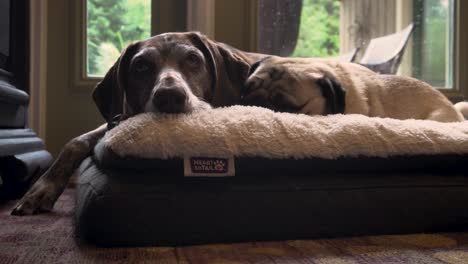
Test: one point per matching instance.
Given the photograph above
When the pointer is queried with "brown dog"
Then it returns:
(171, 73)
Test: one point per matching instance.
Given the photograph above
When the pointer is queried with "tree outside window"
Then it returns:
(111, 25)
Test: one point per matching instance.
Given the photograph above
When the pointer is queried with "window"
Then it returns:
(107, 34)
(300, 28)
(329, 28)
(432, 56)
(102, 28)
(319, 29)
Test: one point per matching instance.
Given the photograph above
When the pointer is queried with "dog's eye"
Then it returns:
(141, 66)
(193, 59)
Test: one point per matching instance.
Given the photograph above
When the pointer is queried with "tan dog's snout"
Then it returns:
(255, 90)
(268, 87)
(253, 94)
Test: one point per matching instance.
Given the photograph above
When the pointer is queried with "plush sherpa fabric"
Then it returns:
(258, 132)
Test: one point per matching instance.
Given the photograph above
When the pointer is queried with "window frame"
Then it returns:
(455, 93)
(459, 90)
(165, 17)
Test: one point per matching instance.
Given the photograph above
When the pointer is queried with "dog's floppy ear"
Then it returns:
(108, 95)
(334, 93)
(228, 66)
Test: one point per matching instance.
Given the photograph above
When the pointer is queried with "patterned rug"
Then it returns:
(49, 239)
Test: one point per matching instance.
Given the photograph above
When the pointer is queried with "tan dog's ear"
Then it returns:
(108, 95)
(334, 93)
(228, 67)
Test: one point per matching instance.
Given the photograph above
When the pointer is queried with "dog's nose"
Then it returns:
(170, 100)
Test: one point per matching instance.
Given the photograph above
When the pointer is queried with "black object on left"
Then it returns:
(22, 154)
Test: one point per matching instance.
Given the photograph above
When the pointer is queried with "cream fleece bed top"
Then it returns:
(243, 131)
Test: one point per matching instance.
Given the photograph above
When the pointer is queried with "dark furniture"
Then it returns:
(22, 153)
(149, 202)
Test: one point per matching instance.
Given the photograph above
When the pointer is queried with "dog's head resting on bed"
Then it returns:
(173, 73)
(294, 85)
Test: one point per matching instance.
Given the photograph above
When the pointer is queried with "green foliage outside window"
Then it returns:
(319, 31)
(431, 41)
(113, 24)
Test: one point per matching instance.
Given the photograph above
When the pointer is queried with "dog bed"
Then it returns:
(247, 173)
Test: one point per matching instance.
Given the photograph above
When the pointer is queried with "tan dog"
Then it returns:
(325, 86)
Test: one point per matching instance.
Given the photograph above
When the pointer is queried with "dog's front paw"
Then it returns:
(40, 198)
(272, 86)
(264, 84)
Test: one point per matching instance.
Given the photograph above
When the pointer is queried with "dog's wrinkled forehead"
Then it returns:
(167, 46)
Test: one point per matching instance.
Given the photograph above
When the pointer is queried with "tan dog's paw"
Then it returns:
(272, 86)
(40, 198)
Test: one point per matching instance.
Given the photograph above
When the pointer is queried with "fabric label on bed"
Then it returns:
(208, 167)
